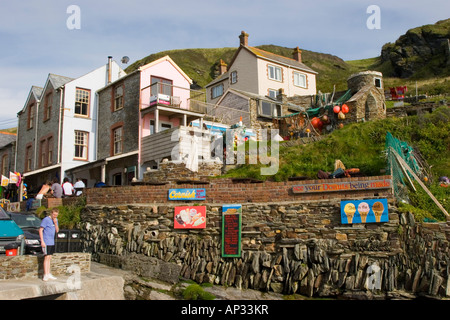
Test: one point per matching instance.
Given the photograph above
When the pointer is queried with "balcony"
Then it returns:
(173, 97)
(175, 144)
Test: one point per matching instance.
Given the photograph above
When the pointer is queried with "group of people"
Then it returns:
(55, 189)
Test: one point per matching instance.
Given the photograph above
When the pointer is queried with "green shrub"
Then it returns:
(196, 292)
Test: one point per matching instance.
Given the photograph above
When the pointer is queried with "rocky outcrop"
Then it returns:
(422, 50)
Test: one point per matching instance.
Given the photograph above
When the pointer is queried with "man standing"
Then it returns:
(57, 189)
(49, 227)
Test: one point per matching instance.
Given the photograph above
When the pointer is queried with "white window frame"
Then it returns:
(118, 141)
(297, 83)
(84, 145)
(275, 73)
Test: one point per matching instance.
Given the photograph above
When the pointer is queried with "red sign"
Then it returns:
(190, 218)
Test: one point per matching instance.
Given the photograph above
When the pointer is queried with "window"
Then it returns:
(118, 97)
(28, 155)
(46, 151)
(275, 73)
(82, 98)
(233, 78)
(164, 86)
(50, 150)
(378, 83)
(273, 93)
(81, 145)
(217, 91)
(268, 109)
(43, 147)
(5, 165)
(48, 106)
(166, 126)
(118, 140)
(30, 116)
(152, 126)
(299, 79)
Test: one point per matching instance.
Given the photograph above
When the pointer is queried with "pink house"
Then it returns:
(166, 104)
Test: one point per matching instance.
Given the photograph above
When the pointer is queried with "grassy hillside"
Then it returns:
(361, 145)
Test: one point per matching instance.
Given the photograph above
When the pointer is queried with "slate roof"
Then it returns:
(264, 55)
(6, 138)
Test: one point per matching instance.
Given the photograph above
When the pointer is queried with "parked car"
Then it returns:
(29, 224)
(9, 231)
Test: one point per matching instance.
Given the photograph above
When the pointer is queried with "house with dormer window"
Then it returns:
(262, 73)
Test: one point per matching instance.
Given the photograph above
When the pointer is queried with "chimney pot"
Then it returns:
(109, 68)
(222, 67)
(243, 39)
(297, 54)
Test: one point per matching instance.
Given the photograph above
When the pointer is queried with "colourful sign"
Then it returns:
(364, 211)
(190, 218)
(231, 230)
(343, 186)
(187, 194)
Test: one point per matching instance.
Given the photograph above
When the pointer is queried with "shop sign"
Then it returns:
(343, 186)
(231, 230)
(187, 194)
(364, 211)
(190, 217)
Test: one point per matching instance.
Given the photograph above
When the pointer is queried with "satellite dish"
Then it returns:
(125, 60)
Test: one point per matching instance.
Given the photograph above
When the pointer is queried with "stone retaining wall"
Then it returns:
(30, 266)
(289, 247)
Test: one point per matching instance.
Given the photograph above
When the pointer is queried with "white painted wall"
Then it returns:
(94, 81)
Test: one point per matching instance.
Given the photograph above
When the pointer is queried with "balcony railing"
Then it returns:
(164, 94)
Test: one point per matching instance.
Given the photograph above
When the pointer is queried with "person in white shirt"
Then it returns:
(79, 185)
(68, 188)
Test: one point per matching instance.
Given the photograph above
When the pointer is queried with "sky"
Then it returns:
(38, 37)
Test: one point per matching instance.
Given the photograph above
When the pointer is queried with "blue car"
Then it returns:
(9, 231)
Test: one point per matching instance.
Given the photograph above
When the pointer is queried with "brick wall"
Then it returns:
(226, 191)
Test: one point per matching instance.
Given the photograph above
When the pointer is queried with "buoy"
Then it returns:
(341, 115)
(345, 108)
(316, 123)
(336, 109)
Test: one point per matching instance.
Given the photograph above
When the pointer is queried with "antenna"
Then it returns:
(125, 60)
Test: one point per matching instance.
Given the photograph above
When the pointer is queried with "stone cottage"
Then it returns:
(367, 101)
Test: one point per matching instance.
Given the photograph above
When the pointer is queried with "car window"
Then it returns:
(3, 215)
(24, 221)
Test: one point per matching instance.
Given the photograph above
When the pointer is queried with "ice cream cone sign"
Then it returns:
(363, 209)
(350, 210)
(378, 209)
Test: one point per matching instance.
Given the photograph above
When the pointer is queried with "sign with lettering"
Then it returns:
(231, 230)
(364, 211)
(343, 186)
(190, 218)
(187, 194)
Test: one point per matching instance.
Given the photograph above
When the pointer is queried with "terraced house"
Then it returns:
(57, 127)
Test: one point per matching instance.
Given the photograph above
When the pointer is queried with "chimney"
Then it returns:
(222, 67)
(297, 54)
(243, 39)
(109, 69)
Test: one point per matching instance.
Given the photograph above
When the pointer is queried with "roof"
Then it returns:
(280, 59)
(267, 56)
(6, 138)
(58, 81)
(168, 59)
